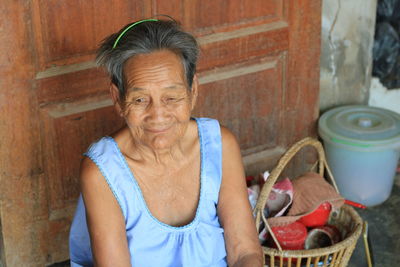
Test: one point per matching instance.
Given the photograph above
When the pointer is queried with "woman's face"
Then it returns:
(158, 103)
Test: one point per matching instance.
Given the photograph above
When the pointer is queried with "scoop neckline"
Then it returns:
(141, 197)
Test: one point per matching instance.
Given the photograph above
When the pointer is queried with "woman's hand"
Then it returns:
(104, 219)
(234, 211)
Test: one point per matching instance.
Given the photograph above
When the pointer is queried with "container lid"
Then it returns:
(362, 127)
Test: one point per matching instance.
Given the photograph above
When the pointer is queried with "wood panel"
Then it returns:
(302, 94)
(209, 16)
(72, 86)
(245, 97)
(69, 31)
(172, 8)
(230, 48)
(70, 129)
(259, 75)
(21, 172)
(214, 14)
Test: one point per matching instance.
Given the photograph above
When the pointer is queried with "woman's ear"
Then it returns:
(114, 93)
(194, 91)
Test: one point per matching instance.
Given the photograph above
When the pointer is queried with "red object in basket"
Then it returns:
(249, 180)
(291, 236)
(318, 217)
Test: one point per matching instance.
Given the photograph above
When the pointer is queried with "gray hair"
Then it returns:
(144, 38)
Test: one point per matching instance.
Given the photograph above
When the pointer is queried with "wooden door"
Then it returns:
(259, 75)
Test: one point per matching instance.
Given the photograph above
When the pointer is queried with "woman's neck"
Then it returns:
(144, 154)
(165, 156)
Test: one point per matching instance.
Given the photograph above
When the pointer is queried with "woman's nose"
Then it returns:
(157, 110)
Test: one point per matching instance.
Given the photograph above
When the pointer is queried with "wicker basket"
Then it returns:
(346, 220)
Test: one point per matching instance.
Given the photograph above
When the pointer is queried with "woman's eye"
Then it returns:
(173, 99)
(140, 100)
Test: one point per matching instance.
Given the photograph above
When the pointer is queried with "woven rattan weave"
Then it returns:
(346, 220)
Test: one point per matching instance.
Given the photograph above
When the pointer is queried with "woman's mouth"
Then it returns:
(158, 130)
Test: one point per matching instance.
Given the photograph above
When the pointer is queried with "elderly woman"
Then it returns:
(168, 189)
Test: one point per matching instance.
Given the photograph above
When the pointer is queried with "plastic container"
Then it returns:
(291, 236)
(362, 146)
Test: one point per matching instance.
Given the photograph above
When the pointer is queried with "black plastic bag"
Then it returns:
(392, 81)
(388, 10)
(386, 50)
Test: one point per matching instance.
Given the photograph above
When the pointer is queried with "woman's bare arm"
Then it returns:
(104, 219)
(234, 211)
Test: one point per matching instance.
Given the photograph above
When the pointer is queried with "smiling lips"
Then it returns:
(156, 130)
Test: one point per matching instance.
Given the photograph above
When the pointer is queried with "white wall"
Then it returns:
(379, 96)
(346, 57)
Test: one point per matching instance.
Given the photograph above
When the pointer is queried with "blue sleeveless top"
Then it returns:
(151, 242)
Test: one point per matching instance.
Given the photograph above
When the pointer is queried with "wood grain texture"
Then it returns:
(72, 86)
(226, 49)
(172, 8)
(244, 101)
(302, 94)
(212, 14)
(68, 138)
(21, 178)
(301, 99)
(70, 30)
(258, 73)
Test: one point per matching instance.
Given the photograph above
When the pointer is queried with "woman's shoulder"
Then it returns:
(230, 145)
(227, 134)
(97, 155)
(89, 173)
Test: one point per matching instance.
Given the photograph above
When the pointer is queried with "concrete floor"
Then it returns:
(384, 231)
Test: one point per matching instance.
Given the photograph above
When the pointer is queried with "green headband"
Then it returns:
(127, 29)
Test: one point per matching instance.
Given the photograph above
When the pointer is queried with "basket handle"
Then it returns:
(276, 172)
